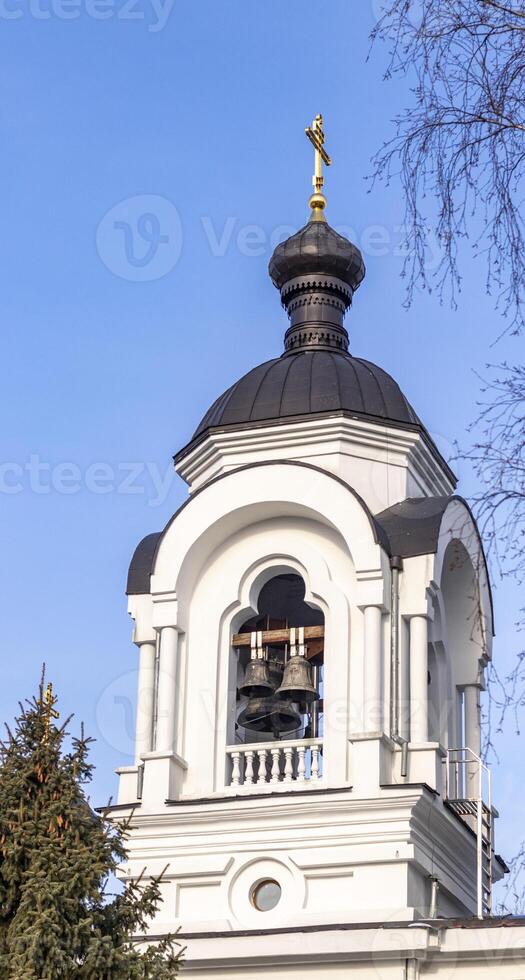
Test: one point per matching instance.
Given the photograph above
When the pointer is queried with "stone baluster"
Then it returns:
(276, 765)
(248, 771)
(236, 768)
(262, 777)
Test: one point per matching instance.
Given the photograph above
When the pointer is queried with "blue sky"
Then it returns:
(188, 117)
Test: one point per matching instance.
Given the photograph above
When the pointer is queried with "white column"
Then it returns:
(472, 718)
(373, 686)
(418, 679)
(473, 741)
(166, 690)
(145, 700)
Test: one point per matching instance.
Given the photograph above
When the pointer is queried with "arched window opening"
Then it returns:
(466, 639)
(279, 688)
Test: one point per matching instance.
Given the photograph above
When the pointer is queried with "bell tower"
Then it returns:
(313, 627)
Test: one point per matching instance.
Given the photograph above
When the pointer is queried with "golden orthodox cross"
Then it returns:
(316, 136)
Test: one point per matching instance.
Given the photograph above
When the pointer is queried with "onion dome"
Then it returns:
(317, 271)
(317, 249)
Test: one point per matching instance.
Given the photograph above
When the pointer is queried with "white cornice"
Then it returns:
(226, 449)
(369, 945)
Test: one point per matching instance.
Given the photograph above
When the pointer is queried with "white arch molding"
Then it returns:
(213, 560)
(225, 595)
(275, 489)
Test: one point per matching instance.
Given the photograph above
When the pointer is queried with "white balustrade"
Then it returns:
(294, 763)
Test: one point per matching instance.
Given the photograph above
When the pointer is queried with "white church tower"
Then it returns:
(313, 627)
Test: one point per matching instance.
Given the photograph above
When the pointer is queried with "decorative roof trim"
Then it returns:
(313, 416)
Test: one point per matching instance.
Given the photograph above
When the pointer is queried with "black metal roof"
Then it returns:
(412, 526)
(317, 248)
(311, 382)
(141, 565)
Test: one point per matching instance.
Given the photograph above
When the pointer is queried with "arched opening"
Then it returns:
(466, 650)
(281, 609)
(465, 622)
(279, 665)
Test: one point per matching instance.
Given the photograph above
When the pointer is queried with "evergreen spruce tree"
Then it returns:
(57, 858)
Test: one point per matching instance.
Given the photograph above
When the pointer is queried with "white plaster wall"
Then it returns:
(338, 859)
(364, 971)
(440, 967)
(317, 972)
(355, 971)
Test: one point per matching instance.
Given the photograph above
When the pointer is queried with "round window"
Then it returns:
(265, 895)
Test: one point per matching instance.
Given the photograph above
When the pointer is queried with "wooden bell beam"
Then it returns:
(275, 637)
(312, 636)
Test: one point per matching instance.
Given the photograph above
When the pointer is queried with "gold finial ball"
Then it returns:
(317, 203)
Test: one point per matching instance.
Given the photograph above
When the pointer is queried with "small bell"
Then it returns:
(257, 683)
(297, 682)
(269, 716)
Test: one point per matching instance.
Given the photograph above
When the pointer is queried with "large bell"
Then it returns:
(269, 715)
(257, 683)
(297, 682)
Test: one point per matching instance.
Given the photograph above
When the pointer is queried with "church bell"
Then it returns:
(297, 682)
(269, 716)
(257, 683)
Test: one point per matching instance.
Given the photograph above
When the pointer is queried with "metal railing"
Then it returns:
(468, 792)
(293, 762)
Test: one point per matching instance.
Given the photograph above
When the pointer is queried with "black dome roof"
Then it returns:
(310, 382)
(317, 249)
(317, 272)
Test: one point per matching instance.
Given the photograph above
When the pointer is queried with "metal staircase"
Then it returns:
(468, 794)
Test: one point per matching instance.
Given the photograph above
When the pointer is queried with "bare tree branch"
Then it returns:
(498, 458)
(459, 152)
(459, 147)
